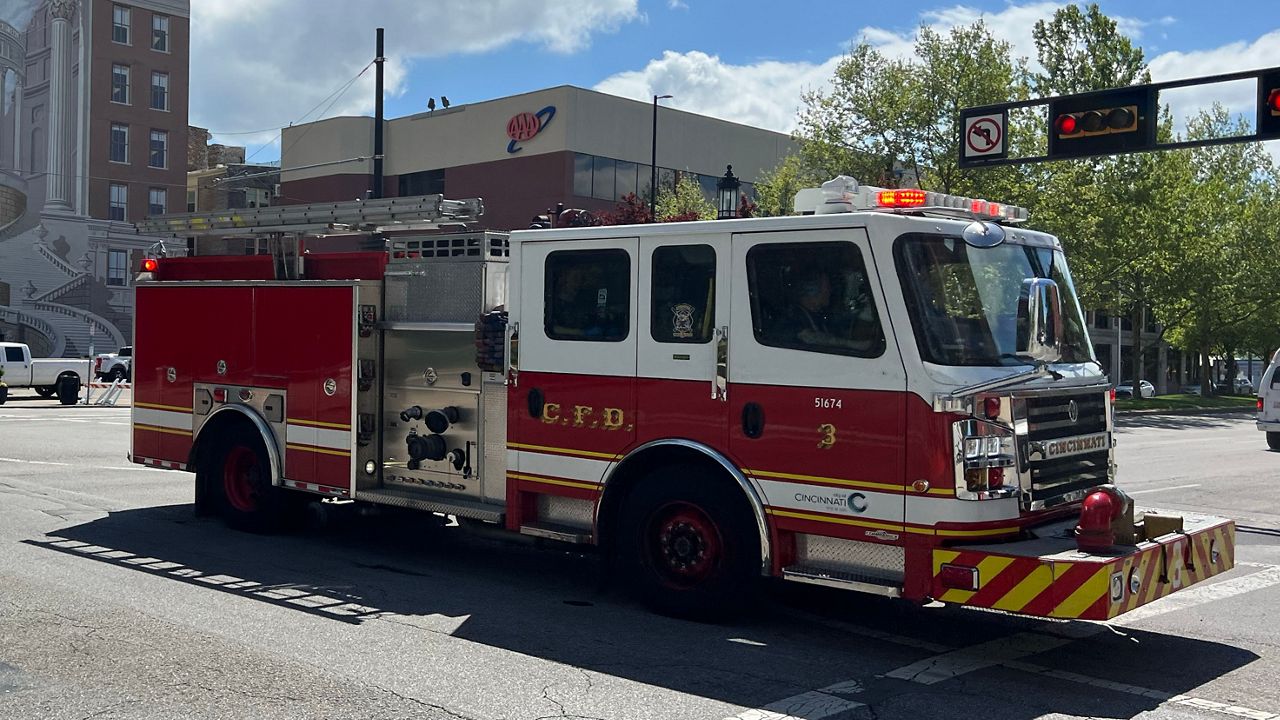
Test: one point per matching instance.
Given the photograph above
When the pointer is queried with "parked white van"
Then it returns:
(1269, 403)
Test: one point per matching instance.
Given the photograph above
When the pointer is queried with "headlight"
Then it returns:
(987, 452)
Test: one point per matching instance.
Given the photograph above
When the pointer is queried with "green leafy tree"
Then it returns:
(685, 203)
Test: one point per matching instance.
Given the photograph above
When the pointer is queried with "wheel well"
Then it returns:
(224, 422)
(624, 479)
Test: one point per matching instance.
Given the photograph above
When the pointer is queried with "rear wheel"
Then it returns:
(237, 473)
(117, 373)
(46, 391)
(690, 545)
(68, 390)
(1273, 440)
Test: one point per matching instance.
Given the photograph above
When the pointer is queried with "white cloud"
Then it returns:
(258, 63)
(677, 5)
(765, 94)
(1238, 97)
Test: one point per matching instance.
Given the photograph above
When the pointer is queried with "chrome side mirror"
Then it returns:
(1040, 321)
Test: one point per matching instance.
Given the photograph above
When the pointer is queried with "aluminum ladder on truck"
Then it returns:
(284, 225)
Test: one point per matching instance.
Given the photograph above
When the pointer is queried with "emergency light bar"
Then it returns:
(843, 194)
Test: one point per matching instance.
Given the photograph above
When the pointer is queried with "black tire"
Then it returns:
(117, 373)
(68, 389)
(236, 475)
(46, 391)
(689, 544)
(4, 395)
(1273, 440)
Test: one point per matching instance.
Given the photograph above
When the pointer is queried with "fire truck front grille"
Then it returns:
(1065, 479)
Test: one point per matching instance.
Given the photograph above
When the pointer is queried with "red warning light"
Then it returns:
(150, 265)
(1273, 102)
(1067, 125)
(900, 198)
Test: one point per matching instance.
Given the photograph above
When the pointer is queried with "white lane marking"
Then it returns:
(812, 705)
(62, 464)
(1163, 489)
(976, 657)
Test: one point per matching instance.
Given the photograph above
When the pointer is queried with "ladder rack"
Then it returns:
(421, 212)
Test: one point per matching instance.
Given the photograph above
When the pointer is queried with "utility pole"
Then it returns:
(377, 120)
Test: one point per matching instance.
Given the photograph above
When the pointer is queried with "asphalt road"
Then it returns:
(115, 602)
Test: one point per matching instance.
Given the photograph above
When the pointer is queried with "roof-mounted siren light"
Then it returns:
(838, 195)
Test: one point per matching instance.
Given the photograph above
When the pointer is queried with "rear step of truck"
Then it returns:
(430, 503)
(845, 580)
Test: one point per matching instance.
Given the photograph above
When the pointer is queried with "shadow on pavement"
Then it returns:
(550, 603)
(1179, 422)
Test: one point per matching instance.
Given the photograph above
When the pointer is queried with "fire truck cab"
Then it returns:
(892, 392)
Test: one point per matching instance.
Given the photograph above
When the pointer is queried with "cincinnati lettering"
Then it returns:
(1076, 445)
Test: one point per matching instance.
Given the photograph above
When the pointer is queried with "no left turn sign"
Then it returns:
(984, 136)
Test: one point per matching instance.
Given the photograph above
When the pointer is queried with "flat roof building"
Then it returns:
(524, 154)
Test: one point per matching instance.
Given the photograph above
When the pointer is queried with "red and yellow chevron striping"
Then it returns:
(1088, 587)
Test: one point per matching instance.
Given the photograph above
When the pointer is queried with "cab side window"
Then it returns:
(684, 294)
(587, 295)
(814, 297)
(13, 354)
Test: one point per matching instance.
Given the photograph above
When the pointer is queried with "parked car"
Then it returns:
(1243, 386)
(48, 377)
(1194, 389)
(1125, 390)
(114, 366)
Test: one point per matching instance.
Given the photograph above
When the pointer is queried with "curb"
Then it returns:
(1187, 411)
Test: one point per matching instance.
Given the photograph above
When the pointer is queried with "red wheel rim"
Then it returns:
(684, 544)
(240, 479)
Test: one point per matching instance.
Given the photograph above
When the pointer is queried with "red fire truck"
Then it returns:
(892, 391)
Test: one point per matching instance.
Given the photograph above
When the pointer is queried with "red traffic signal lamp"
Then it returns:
(1269, 105)
(1106, 122)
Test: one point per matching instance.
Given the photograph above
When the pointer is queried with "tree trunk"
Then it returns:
(1206, 370)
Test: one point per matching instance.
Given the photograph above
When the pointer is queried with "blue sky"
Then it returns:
(260, 64)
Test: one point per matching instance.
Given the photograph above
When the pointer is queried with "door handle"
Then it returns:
(752, 420)
(720, 377)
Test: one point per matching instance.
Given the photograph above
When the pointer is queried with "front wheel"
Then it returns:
(117, 373)
(1273, 440)
(46, 391)
(689, 543)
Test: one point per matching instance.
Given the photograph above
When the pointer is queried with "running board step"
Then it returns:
(843, 580)
(562, 533)
(418, 501)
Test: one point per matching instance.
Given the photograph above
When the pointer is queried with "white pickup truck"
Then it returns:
(113, 366)
(51, 377)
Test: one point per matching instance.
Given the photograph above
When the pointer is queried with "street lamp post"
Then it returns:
(653, 162)
(727, 194)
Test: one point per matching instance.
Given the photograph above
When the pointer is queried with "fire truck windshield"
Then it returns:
(963, 300)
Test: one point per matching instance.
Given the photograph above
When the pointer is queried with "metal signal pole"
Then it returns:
(377, 120)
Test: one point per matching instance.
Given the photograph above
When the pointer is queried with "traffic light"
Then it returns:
(1269, 105)
(1102, 123)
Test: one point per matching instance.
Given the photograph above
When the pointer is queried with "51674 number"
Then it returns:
(827, 403)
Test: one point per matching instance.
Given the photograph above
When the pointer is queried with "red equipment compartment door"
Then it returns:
(305, 338)
(816, 385)
(573, 411)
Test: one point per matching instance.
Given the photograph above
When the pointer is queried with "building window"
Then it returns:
(684, 294)
(120, 24)
(117, 266)
(813, 297)
(119, 202)
(119, 143)
(159, 91)
(157, 201)
(120, 84)
(191, 201)
(603, 175)
(626, 180)
(427, 182)
(582, 175)
(587, 295)
(160, 33)
(159, 149)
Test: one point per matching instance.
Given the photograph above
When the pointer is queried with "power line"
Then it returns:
(332, 99)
